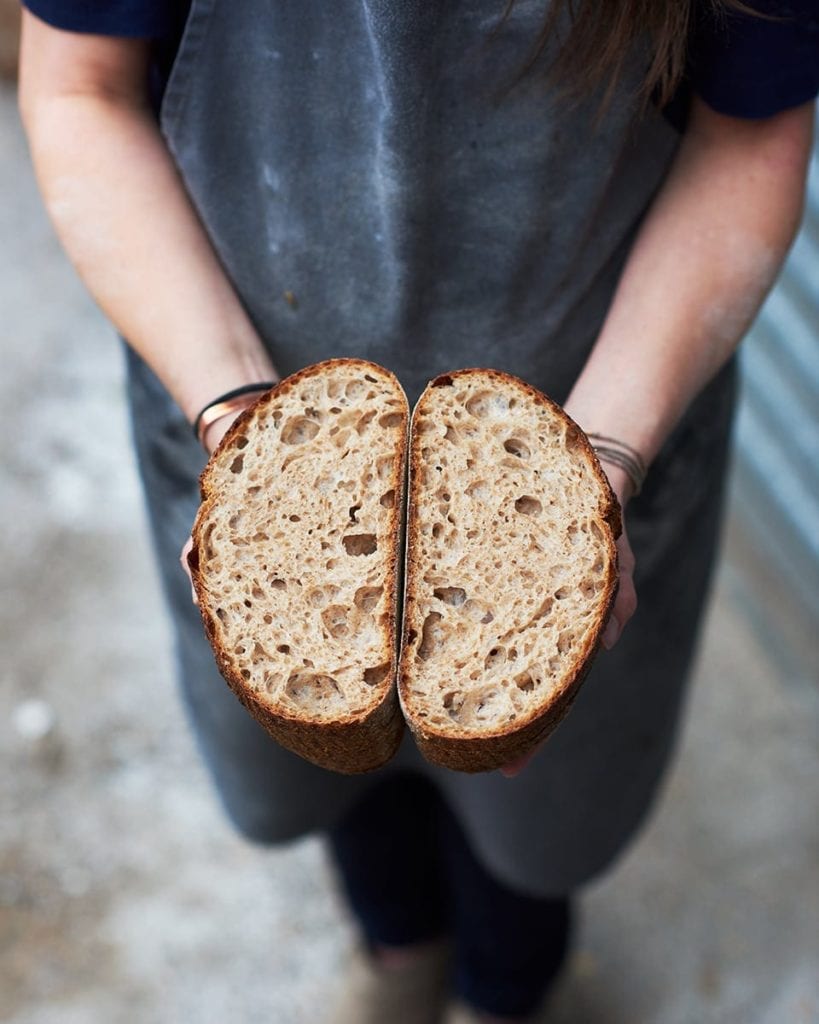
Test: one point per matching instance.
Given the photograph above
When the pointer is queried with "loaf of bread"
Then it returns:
(511, 568)
(296, 561)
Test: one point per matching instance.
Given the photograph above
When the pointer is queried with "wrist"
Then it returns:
(620, 481)
(214, 419)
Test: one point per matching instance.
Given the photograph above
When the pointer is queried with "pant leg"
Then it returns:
(386, 851)
(509, 946)
(409, 875)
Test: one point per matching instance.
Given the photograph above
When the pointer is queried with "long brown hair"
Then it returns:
(602, 32)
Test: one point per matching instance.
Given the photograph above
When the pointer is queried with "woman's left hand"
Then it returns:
(625, 603)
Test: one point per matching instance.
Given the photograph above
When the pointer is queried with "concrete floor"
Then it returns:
(123, 894)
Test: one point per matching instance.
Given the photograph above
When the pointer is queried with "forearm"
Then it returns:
(705, 257)
(128, 226)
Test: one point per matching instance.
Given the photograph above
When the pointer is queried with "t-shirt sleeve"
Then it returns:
(138, 19)
(748, 66)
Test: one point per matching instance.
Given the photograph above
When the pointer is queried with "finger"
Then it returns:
(183, 561)
(611, 634)
(509, 771)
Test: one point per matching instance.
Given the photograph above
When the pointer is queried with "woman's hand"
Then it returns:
(625, 603)
(211, 438)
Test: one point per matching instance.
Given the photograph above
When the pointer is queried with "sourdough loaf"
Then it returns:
(296, 558)
(511, 568)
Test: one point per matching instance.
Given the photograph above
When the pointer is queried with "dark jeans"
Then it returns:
(410, 876)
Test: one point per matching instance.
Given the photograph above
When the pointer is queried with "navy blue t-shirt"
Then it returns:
(741, 65)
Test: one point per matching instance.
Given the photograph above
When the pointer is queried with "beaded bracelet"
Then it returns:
(231, 401)
(620, 454)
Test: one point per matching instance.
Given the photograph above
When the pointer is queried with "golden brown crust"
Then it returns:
(359, 742)
(494, 749)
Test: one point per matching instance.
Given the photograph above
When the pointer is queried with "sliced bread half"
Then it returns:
(511, 568)
(296, 561)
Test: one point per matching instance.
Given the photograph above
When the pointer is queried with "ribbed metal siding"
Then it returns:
(777, 459)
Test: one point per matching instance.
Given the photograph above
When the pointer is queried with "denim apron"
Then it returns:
(378, 182)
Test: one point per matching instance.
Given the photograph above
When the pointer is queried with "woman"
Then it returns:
(394, 181)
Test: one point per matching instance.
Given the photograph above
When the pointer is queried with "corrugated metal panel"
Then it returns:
(777, 460)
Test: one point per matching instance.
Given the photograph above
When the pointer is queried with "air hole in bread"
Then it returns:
(271, 681)
(366, 598)
(335, 621)
(377, 674)
(221, 614)
(487, 403)
(254, 490)
(299, 429)
(241, 442)
(565, 641)
(295, 519)
(372, 380)
(390, 420)
(451, 434)
(245, 673)
(360, 543)
(444, 381)
(516, 447)
(432, 636)
(450, 595)
(278, 584)
(384, 467)
(495, 658)
(352, 512)
(525, 681)
(355, 389)
(314, 688)
(477, 610)
(412, 636)
(572, 439)
(562, 593)
(283, 648)
(528, 506)
(437, 530)
(364, 421)
(388, 499)
(479, 705)
(347, 485)
(238, 464)
(268, 619)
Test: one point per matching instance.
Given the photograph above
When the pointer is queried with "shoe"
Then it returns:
(460, 1013)
(412, 993)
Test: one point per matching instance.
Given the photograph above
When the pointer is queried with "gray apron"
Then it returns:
(376, 185)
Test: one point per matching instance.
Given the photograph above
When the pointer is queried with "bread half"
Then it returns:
(511, 568)
(296, 561)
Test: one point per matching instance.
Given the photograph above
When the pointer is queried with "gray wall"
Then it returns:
(777, 452)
